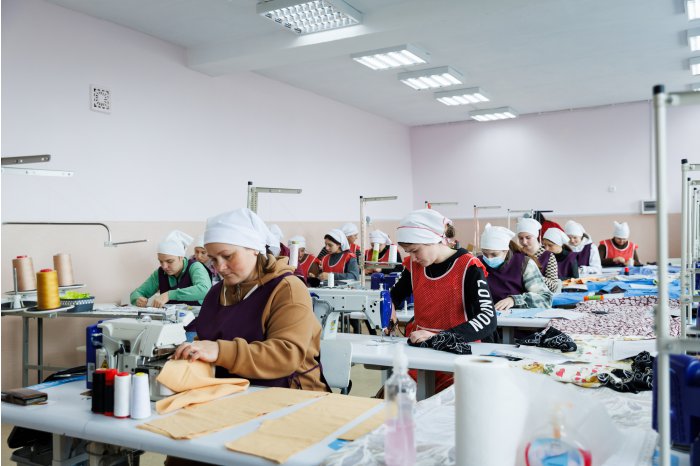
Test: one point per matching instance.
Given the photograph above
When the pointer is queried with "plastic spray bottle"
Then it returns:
(557, 447)
(400, 399)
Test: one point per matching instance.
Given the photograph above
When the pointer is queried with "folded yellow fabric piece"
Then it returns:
(196, 396)
(364, 427)
(278, 439)
(202, 419)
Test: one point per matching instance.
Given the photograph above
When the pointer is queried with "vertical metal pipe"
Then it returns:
(362, 242)
(684, 248)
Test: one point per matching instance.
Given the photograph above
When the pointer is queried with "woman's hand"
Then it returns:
(392, 320)
(323, 276)
(161, 300)
(619, 260)
(419, 336)
(142, 302)
(505, 304)
(203, 350)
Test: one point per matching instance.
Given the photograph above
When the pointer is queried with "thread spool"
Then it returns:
(26, 278)
(331, 280)
(98, 391)
(122, 394)
(375, 252)
(140, 396)
(47, 290)
(109, 391)
(64, 267)
(393, 253)
(294, 255)
(593, 298)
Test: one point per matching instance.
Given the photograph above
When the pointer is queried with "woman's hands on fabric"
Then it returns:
(619, 260)
(161, 300)
(203, 350)
(505, 304)
(142, 302)
(323, 276)
(419, 336)
(393, 321)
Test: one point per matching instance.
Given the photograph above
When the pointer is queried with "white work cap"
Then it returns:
(349, 229)
(528, 225)
(241, 227)
(556, 236)
(199, 241)
(339, 237)
(378, 236)
(496, 238)
(300, 240)
(424, 226)
(622, 230)
(574, 229)
(175, 243)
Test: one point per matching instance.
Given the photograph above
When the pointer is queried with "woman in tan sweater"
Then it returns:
(258, 322)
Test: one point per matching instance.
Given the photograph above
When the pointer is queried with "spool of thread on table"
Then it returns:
(294, 255)
(98, 391)
(64, 267)
(122, 394)
(593, 298)
(140, 396)
(47, 290)
(393, 253)
(109, 391)
(26, 278)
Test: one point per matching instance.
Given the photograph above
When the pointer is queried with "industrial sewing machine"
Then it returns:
(331, 303)
(140, 345)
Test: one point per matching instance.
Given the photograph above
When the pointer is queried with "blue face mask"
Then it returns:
(494, 262)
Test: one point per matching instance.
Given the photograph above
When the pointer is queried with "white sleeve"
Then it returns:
(594, 265)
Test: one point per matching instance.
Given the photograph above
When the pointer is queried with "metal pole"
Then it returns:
(684, 248)
(362, 242)
(25, 351)
(40, 350)
(662, 327)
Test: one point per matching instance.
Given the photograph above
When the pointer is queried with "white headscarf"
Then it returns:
(175, 243)
(424, 226)
(496, 238)
(556, 236)
(528, 225)
(300, 240)
(241, 227)
(340, 237)
(378, 236)
(622, 230)
(572, 228)
(199, 242)
(349, 229)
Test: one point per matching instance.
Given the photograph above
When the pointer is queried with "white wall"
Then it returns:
(563, 161)
(178, 145)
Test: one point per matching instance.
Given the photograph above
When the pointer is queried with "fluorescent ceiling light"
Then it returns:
(431, 78)
(502, 113)
(694, 87)
(695, 65)
(694, 39)
(306, 17)
(392, 57)
(692, 8)
(472, 95)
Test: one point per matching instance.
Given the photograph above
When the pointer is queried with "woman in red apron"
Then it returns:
(339, 259)
(618, 251)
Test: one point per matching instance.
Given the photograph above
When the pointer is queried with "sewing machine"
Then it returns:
(140, 345)
(330, 303)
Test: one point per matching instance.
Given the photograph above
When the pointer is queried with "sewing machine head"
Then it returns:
(331, 302)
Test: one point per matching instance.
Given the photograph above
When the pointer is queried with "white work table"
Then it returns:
(67, 414)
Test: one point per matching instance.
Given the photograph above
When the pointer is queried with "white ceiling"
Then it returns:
(532, 55)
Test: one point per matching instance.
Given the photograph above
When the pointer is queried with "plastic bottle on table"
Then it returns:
(400, 399)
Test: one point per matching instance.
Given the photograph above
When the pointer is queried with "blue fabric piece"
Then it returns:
(525, 313)
(564, 299)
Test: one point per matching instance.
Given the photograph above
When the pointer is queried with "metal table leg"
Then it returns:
(507, 335)
(25, 351)
(40, 349)
(426, 384)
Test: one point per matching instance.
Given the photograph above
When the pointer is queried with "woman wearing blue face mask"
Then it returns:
(514, 277)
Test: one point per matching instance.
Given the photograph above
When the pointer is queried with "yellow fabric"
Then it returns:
(278, 439)
(364, 427)
(206, 418)
(194, 383)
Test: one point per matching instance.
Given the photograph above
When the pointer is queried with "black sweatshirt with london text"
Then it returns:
(477, 298)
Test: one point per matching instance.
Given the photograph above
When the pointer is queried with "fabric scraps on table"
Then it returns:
(446, 341)
(549, 338)
(639, 378)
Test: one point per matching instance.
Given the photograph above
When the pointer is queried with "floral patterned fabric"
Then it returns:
(550, 338)
(451, 342)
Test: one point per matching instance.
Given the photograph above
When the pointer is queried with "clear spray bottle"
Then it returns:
(400, 399)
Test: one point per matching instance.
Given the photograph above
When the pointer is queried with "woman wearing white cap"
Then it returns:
(258, 322)
(200, 255)
(556, 242)
(580, 242)
(309, 265)
(177, 279)
(449, 286)
(350, 231)
(619, 250)
(381, 239)
(278, 249)
(339, 259)
(514, 278)
(528, 230)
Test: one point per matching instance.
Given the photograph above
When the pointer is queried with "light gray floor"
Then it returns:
(364, 383)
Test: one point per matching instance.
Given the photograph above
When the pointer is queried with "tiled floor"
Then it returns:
(364, 383)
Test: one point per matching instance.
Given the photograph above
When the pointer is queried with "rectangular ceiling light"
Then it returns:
(392, 57)
(472, 95)
(432, 78)
(306, 17)
(694, 39)
(692, 8)
(502, 113)
(695, 65)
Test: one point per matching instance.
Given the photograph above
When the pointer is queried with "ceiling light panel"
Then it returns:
(692, 9)
(694, 65)
(493, 114)
(307, 17)
(470, 96)
(392, 57)
(694, 39)
(432, 78)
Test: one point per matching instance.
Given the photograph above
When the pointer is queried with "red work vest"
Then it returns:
(439, 302)
(383, 258)
(338, 267)
(612, 251)
(306, 264)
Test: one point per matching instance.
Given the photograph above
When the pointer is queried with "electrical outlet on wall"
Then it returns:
(100, 99)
